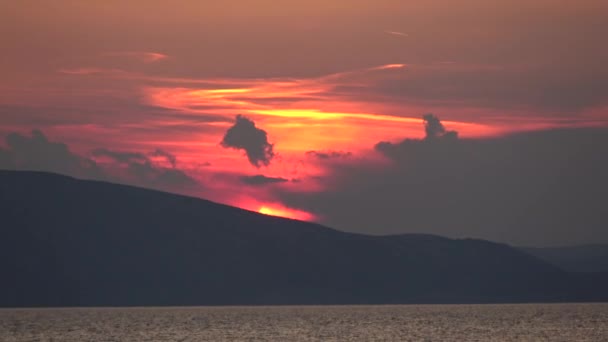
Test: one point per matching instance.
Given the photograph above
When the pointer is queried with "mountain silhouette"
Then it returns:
(69, 242)
(582, 258)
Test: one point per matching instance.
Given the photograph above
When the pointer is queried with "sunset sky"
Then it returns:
(291, 108)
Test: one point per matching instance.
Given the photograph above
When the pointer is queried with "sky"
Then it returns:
(463, 118)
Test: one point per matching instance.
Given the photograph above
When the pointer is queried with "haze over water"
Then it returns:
(522, 322)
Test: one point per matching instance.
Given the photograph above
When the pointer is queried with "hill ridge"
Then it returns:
(70, 242)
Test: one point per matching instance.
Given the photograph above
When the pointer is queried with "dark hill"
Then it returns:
(583, 258)
(67, 242)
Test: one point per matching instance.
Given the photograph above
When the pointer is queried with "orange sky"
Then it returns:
(326, 76)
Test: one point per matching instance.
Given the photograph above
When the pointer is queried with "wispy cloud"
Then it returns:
(389, 66)
(261, 180)
(146, 57)
(91, 71)
(396, 33)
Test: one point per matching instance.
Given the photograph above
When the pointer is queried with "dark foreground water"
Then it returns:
(528, 322)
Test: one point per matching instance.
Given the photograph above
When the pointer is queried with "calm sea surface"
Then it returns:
(528, 322)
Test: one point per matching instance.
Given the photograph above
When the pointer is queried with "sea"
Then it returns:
(517, 322)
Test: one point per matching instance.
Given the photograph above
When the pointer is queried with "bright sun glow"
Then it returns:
(285, 212)
(267, 211)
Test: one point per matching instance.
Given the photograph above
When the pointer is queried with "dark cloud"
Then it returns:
(437, 145)
(244, 135)
(533, 188)
(259, 180)
(171, 159)
(434, 128)
(328, 154)
(121, 156)
(37, 153)
(146, 173)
